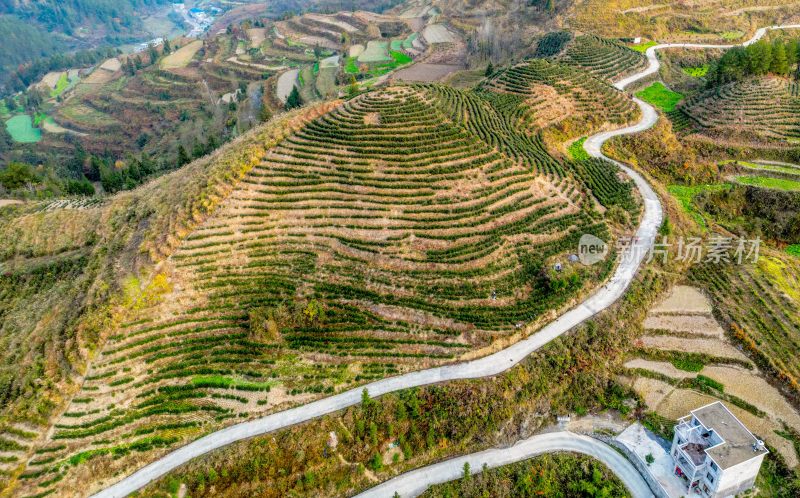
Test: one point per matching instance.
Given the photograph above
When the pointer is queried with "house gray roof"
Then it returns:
(740, 445)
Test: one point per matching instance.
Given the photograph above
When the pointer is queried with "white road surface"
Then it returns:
(415, 483)
(484, 367)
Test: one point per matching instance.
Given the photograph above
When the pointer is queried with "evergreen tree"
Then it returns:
(6, 142)
(294, 99)
(792, 52)
(489, 69)
(183, 156)
(264, 112)
(198, 150)
(153, 54)
(780, 63)
(167, 47)
(352, 90)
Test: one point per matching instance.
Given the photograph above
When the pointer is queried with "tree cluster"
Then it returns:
(20, 177)
(761, 58)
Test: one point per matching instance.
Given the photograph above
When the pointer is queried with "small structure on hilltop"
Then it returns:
(714, 453)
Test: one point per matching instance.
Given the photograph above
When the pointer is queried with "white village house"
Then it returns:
(714, 453)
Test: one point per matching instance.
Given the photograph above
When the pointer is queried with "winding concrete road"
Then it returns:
(484, 367)
(653, 63)
(415, 482)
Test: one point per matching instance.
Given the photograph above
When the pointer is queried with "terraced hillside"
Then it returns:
(685, 360)
(142, 106)
(604, 58)
(409, 227)
(757, 110)
(760, 305)
(559, 96)
(766, 174)
(710, 22)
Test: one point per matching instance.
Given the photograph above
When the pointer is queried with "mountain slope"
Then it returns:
(68, 277)
(408, 227)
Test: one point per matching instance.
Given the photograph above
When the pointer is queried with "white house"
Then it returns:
(714, 453)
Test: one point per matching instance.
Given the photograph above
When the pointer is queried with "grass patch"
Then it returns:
(660, 96)
(793, 250)
(697, 71)
(704, 383)
(22, 131)
(685, 196)
(221, 382)
(63, 83)
(688, 364)
(768, 182)
(38, 118)
(350, 65)
(642, 47)
(293, 43)
(576, 150)
(400, 58)
(731, 35)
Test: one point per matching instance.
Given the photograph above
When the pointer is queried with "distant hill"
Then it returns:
(41, 28)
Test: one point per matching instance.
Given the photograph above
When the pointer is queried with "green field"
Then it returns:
(396, 59)
(778, 168)
(63, 83)
(22, 130)
(400, 58)
(768, 182)
(794, 250)
(685, 196)
(696, 72)
(660, 96)
(731, 35)
(350, 65)
(576, 150)
(642, 47)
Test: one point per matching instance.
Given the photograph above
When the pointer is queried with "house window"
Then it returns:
(710, 478)
(713, 466)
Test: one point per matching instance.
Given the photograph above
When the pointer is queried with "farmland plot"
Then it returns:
(181, 57)
(603, 58)
(376, 51)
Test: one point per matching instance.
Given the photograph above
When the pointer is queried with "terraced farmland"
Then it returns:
(760, 304)
(685, 359)
(754, 110)
(604, 58)
(556, 93)
(410, 226)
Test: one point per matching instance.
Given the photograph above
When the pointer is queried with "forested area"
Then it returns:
(33, 30)
(67, 15)
(778, 57)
